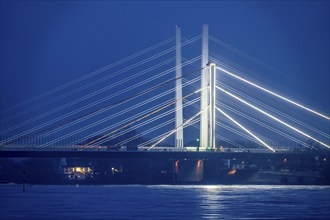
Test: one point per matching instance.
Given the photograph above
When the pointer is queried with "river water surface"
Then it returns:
(164, 202)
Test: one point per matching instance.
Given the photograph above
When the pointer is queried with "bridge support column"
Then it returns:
(178, 92)
(204, 130)
(212, 71)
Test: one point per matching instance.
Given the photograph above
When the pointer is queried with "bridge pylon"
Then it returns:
(212, 118)
(178, 92)
(204, 125)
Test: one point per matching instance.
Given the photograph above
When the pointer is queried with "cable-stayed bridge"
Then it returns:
(165, 99)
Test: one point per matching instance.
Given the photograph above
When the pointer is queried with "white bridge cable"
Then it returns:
(245, 129)
(94, 103)
(153, 140)
(228, 128)
(241, 71)
(273, 117)
(127, 119)
(229, 141)
(174, 130)
(214, 39)
(273, 110)
(162, 137)
(144, 116)
(80, 88)
(270, 108)
(89, 75)
(122, 122)
(277, 112)
(220, 137)
(82, 129)
(248, 137)
(118, 114)
(84, 98)
(267, 126)
(229, 68)
(272, 93)
(141, 103)
(145, 132)
(135, 127)
(74, 112)
(233, 131)
(128, 68)
(264, 125)
(270, 121)
(122, 71)
(121, 92)
(143, 123)
(148, 142)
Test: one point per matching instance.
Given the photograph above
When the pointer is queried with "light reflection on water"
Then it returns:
(164, 202)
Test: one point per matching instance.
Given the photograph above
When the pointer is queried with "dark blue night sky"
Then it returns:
(45, 44)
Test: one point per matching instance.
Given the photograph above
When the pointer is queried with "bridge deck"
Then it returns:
(151, 154)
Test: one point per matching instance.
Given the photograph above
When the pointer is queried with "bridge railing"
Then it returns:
(17, 147)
